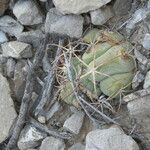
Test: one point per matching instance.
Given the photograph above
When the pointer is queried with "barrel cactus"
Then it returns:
(106, 67)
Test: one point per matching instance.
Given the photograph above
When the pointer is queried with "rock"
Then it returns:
(137, 17)
(147, 81)
(20, 79)
(70, 25)
(52, 143)
(30, 137)
(74, 123)
(77, 146)
(10, 26)
(8, 113)
(17, 50)
(31, 37)
(3, 6)
(3, 37)
(101, 16)
(78, 6)
(146, 41)
(110, 139)
(28, 13)
(122, 7)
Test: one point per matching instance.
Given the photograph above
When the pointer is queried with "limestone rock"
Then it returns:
(16, 50)
(3, 37)
(28, 13)
(101, 16)
(78, 6)
(77, 146)
(147, 81)
(146, 41)
(10, 26)
(70, 25)
(30, 137)
(110, 139)
(74, 123)
(8, 113)
(52, 143)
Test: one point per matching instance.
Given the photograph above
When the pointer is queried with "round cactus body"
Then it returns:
(107, 66)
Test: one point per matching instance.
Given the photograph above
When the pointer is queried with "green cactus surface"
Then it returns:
(106, 67)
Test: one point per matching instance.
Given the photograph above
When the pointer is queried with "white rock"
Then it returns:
(10, 26)
(78, 6)
(110, 139)
(3, 37)
(74, 123)
(28, 13)
(146, 41)
(101, 16)
(52, 143)
(17, 50)
(147, 81)
(77, 146)
(31, 37)
(139, 107)
(30, 137)
(70, 25)
(8, 113)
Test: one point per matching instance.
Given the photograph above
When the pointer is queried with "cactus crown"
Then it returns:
(106, 67)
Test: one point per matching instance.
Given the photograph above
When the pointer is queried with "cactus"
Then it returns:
(107, 67)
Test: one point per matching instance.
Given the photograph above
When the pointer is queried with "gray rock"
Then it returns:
(78, 6)
(74, 123)
(147, 81)
(3, 37)
(30, 137)
(52, 143)
(101, 16)
(70, 25)
(17, 50)
(20, 79)
(136, 18)
(28, 13)
(122, 7)
(110, 139)
(77, 146)
(3, 6)
(31, 37)
(8, 113)
(146, 41)
(10, 26)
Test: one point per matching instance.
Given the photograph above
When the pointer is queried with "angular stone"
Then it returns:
(3, 6)
(74, 123)
(70, 25)
(10, 26)
(78, 6)
(101, 16)
(10, 66)
(122, 7)
(146, 41)
(28, 13)
(30, 137)
(77, 146)
(147, 81)
(110, 139)
(52, 143)
(31, 37)
(8, 113)
(3, 37)
(17, 50)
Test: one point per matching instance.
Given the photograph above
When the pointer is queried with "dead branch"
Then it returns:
(27, 96)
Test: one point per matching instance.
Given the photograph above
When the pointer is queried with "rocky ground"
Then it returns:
(33, 34)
